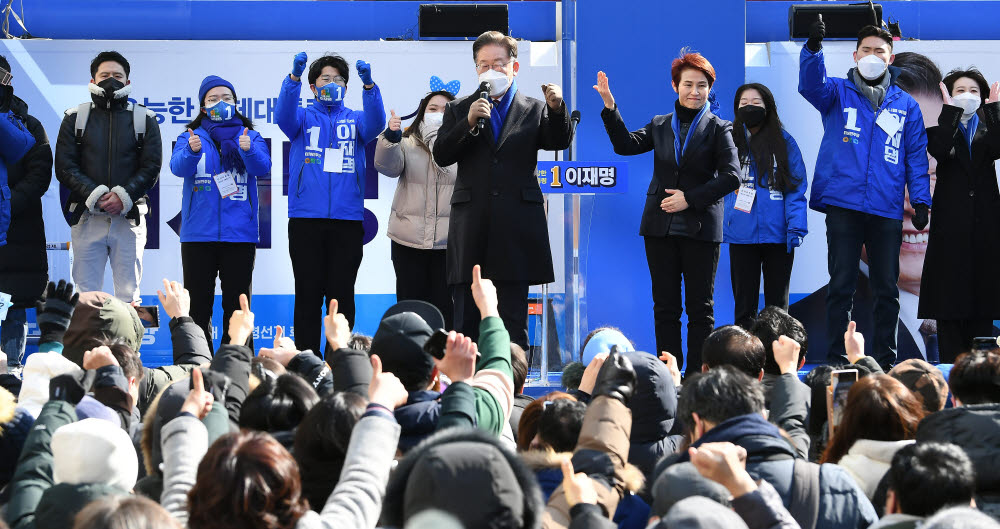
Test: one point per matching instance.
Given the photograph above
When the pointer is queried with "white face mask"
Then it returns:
(433, 119)
(871, 67)
(968, 102)
(498, 81)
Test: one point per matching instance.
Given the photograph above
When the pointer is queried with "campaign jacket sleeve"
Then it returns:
(454, 136)
(34, 471)
(373, 118)
(918, 182)
(288, 113)
(626, 143)
(796, 206)
(184, 161)
(36, 168)
(813, 82)
(258, 159)
(494, 378)
(991, 115)
(727, 172)
(67, 161)
(390, 157)
(555, 130)
(15, 139)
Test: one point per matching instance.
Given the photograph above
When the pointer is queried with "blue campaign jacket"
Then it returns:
(859, 166)
(774, 215)
(15, 142)
(205, 215)
(313, 193)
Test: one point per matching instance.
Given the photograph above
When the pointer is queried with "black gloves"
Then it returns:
(55, 311)
(216, 383)
(920, 216)
(616, 378)
(71, 387)
(816, 33)
(393, 136)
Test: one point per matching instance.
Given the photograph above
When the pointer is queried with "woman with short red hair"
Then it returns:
(695, 166)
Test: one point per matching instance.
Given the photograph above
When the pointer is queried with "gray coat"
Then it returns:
(422, 203)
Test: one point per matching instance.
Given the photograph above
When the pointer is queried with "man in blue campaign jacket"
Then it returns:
(874, 149)
(219, 157)
(326, 186)
(15, 142)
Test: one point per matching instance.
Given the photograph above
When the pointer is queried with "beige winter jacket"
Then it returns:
(422, 204)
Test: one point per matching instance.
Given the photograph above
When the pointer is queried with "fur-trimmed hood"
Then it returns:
(434, 455)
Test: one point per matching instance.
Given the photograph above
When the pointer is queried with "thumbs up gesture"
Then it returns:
(394, 122)
(485, 294)
(385, 389)
(194, 141)
(245, 139)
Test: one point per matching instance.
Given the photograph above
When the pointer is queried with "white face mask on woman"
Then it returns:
(498, 81)
(871, 67)
(433, 119)
(968, 102)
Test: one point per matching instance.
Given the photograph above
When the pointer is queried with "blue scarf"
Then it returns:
(227, 135)
(675, 123)
(969, 130)
(731, 430)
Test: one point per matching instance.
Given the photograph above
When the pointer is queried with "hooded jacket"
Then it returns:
(313, 131)
(205, 215)
(975, 428)
(422, 203)
(867, 462)
(24, 268)
(842, 504)
(107, 159)
(54, 481)
(654, 408)
(774, 215)
(15, 141)
(860, 167)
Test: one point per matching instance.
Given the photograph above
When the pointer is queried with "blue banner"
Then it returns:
(591, 178)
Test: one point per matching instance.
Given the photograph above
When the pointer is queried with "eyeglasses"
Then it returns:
(327, 79)
(498, 66)
(211, 100)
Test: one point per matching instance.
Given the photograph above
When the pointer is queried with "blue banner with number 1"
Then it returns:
(590, 178)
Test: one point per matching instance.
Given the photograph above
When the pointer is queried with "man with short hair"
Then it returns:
(874, 150)
(923, 479)
(974, 422)
(731, 345)
(725, 405)
(497, 209)
(108, 154)
(326, 186)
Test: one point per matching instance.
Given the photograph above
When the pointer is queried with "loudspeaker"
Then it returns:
(843, 21)
(462, 20)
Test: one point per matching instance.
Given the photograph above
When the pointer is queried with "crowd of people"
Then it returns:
(421, 427)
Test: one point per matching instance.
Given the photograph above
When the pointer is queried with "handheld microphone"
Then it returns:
(484, 93)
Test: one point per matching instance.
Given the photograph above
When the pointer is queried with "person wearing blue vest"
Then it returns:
(326, 186)
(219, 156)
(874, 150)
(765, 220)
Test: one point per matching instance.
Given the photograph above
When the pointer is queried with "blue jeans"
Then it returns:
(13, 334)
(846, 232)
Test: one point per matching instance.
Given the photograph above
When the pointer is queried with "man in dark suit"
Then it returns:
(497, 209)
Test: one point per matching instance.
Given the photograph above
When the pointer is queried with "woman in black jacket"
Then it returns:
(695, 165)
(958, 287)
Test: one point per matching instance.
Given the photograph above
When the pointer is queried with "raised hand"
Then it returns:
(364, 73)
(99, 357)
(786, 354)
(55, 311)
(605, 91)
(459, 362)
(589, 378)
(579, 487)
(945, 96)
(336, 327)
(553, 95)
(245, 139)
(385, 389)
(994, 93)
(395, 123)
(198, 401)
(484, 293)
(284, 349)
(241, 323)
(817, 32)
(725, 464)
(175, 299)
(671, 361)
(854, 343)
(299, 65)
(194, 141)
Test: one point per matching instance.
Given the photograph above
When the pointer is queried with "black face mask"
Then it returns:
(751, 115)
(110, 86)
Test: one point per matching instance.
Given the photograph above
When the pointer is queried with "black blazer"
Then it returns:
(497, 211)
(959, 279)
(709, 168)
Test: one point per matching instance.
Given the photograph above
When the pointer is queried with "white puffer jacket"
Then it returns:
(422, 204)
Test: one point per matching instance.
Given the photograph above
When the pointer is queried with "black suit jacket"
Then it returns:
(497, 211)
(708, 169)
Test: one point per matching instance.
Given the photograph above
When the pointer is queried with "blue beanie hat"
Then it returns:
(211, 82)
